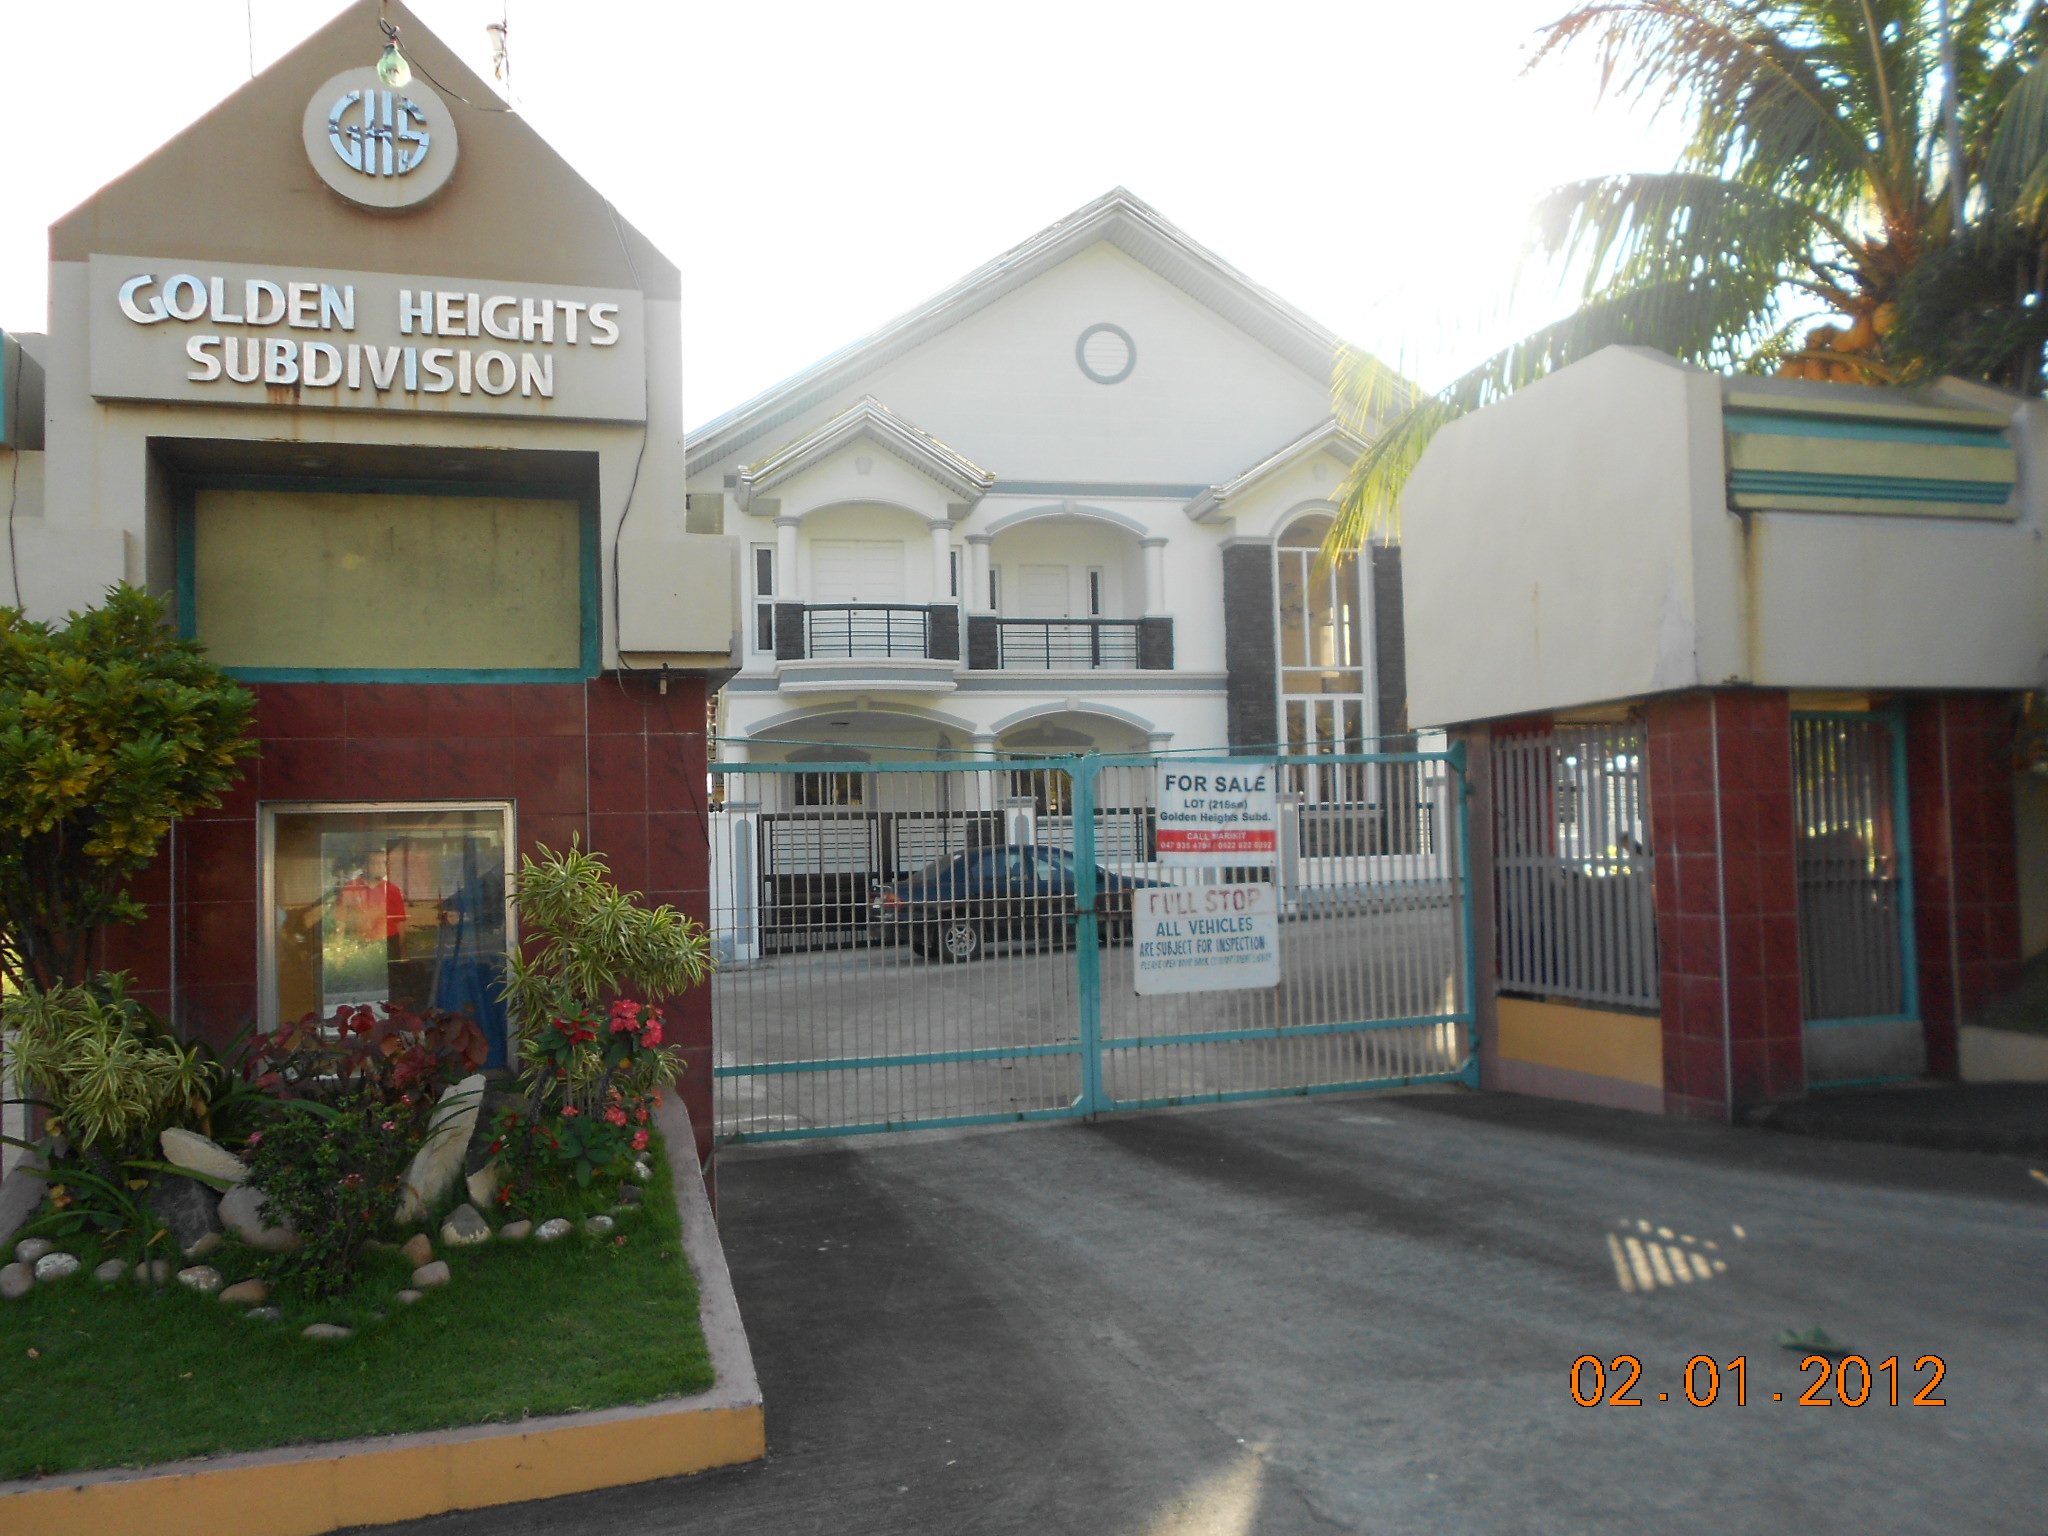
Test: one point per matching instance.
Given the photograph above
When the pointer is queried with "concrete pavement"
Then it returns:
(1359, 1314)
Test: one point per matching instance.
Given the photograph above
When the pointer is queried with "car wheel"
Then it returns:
(958, 940)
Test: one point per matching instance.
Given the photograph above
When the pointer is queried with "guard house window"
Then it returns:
(1322, 662)
(764, 599)
(397, 904)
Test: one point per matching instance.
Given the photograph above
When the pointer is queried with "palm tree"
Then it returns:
(1818, 184)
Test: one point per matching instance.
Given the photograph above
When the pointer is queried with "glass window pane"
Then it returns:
(390, 906)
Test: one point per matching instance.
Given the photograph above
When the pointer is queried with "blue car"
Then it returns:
(955, 909)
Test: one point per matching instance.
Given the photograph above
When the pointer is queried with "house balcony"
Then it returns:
(1069, 645)
(883, 647)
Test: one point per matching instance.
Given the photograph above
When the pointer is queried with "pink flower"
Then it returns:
(651, 1036)
(615, 1116)
(639, 1141)
(570, 1111)
(255, 1140)
(390, 1125)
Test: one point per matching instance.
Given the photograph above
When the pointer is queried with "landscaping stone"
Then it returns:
(153, 1272)
(266, 1314)
(16, 1281)
(465, 1227)
(56, 1266)
(189, 1149)
(326, 1331)
(204, 1248)
(629, 1194)
(515, 1231)
(241, 1211)
(29, 1249)
(599, 1226)
(418, 1249)
(409, 1296)
(553, 1228)
(203, 1278)
(439, 1161)
(189, 1209)
(429, 1275)
(107, 1271)
(245, 1293)
(643, 1172)
(482, 1184)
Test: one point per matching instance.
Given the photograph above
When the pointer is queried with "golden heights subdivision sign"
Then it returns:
(223, 334)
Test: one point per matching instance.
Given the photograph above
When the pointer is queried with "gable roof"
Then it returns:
(236, 186)
(1125, 221)
(867, 419)
(1332, 435)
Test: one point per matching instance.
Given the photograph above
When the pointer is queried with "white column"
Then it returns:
(977, 572)
(785, 558)
(942, 562)
(1155, 577)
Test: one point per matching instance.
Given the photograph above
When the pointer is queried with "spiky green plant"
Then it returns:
(1818, 181)
(108, 1074)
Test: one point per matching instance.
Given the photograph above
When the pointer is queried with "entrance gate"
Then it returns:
(994, 980)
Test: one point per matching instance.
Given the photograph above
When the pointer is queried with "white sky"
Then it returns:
(816, 168)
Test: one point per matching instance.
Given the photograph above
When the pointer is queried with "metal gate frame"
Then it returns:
(1090, 1045)
(1894, 717)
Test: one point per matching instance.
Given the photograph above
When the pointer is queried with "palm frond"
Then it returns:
(1638, 228)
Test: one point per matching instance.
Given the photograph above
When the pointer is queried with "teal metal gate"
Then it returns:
(906, 945)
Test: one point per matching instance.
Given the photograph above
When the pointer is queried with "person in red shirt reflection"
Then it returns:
(370, 905)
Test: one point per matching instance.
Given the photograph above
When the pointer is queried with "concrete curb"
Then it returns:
(306, 1490)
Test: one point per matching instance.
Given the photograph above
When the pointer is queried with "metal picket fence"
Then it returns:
(906, 945)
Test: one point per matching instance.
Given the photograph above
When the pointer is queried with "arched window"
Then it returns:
(1323, 656)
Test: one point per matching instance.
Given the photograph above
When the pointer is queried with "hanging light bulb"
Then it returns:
(392, 68)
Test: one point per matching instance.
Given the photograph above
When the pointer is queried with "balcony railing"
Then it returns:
(856, 631)
(1069, 645)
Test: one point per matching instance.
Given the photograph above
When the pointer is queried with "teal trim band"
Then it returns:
(590, 638)
(1786, 482)
(1282, 1032)
(1362, 1086)
(921, 1059)
(1861, 429)
(1068, 764)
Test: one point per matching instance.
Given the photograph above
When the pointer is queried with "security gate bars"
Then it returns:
(905, 945)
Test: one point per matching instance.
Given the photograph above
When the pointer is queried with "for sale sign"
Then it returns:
(1218, 812)
(1205, 938)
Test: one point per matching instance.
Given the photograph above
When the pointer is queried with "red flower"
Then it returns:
(651, 1036)
(570, 1111)
(615, 1116)
(498, 1145)
(390, 1125)
(639, 1141)
(640, 1115)
(255, 1140)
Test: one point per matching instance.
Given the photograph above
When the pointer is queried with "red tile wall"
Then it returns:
(1959, 767)
(1727, 899)
(612, 761)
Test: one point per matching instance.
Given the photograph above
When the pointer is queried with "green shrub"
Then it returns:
(331, 1173)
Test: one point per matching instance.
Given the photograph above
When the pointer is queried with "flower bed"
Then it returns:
(122, 1374)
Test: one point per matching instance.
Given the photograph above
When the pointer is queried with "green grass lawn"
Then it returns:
(94, 1376)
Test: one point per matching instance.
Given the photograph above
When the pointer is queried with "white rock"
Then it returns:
(153, 1272)
(409, 1296)
(29, 1249)
(429, 1275)
(548, 1231)
(464, 1227)
(107, 1271)
(242, 1211)
(16, 1281)
(266, 1314)
(326, 1331)
(202, 1154)
(56, 1266)
(438, 1163)
(515, 1231)
(208, 1242)
(642, 1171)
(599, 1226)
(203, 1278)
(482, 1184)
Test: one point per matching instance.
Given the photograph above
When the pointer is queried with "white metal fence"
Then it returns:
(1575, 886)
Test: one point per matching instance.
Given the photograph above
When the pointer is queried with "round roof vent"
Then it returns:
(1106, 353)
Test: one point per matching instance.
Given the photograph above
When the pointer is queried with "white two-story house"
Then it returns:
(1072, 503)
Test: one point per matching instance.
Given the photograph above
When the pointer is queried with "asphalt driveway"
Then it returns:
(1359, 1314)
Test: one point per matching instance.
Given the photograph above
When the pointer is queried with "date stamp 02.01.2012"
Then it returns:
(1842, 1381)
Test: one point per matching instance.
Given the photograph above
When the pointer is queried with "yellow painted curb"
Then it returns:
(309, 1489)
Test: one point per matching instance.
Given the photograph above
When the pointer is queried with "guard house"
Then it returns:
(384, 399)
(1739, 664)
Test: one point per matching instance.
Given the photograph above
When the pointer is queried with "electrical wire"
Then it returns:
(646, 406)
(391, 33)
